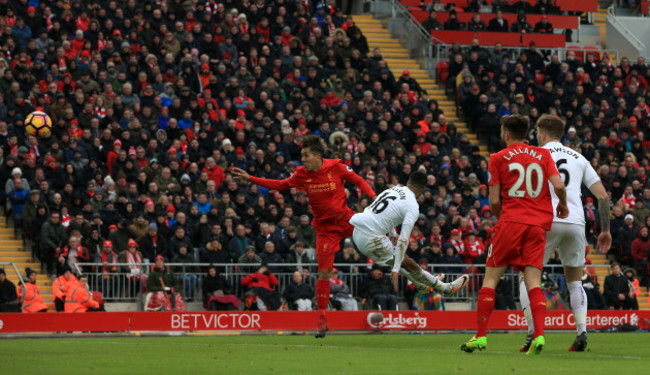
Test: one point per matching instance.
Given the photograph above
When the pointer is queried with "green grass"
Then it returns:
(336, 354)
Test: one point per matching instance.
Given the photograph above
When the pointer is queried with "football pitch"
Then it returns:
(608, 353)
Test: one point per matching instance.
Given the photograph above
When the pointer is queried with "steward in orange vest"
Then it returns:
(31, 300)
(77, 298)
(60, 287)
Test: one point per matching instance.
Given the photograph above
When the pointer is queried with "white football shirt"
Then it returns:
(575, 170)
(393, 207)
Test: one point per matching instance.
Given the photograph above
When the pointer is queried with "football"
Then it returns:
(38, 124)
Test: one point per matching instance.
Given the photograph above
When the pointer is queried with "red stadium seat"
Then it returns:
(545, 40)
(410, 3)
(418, 14)
(443, 70)
(577, 5)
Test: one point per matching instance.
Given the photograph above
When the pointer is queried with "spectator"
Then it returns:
(30, 211)
(217, 294)
(378, 291)
(9, 301)
(627, 234)
(29, 294)
(163, 285)
(297, 255)
(18, 197)
(298, 294)
(306, 232)
(431, 23)
(214, 253)
(498, 23)
(263, 284)
(135, 274)
(108, 259)
(53, 236)
(239, 242)
(269, 256)
(152, 244)
(340, 294)
(595, 300)
(617, 291)
(544, 26)
(250, 257)
(187, 273)
(72, 254)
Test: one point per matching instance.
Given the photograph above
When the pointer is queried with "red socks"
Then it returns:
(322, 294)
(484, 308)
(538, 308)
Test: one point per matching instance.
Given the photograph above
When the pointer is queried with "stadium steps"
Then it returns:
(12, 250)
(398, 59)
(598, 258)
(600, 21)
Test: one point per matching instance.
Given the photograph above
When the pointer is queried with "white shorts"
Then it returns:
(570, 241)
(376, 247)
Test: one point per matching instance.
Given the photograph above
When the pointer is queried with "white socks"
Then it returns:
(525, 306)
(578, 305)
(421, 278)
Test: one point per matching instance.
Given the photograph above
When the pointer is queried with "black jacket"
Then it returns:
(295, 291)
(150, 251)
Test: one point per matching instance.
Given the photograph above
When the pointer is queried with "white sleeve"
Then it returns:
(410, 217)
(590, 176)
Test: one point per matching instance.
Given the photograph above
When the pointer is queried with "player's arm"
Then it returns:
(495, 199)
(348, 174)
(560, 192)
(605, 237)
(410, 218)
(240, 174)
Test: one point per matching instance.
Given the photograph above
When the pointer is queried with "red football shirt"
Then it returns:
(523, 172)
(324, 187)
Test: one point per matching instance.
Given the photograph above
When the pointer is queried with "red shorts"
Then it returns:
(329, 235)
(517, 245)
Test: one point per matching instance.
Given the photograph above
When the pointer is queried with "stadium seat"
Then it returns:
(442, 70)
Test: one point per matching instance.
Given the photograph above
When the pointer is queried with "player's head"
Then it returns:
(549, 128)
(417, 182)
(313, 148)
(513, 128)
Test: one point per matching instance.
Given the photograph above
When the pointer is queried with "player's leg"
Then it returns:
(326, 248)
(572, 255)
(417, 275)
(532, 260)
(505, 250)
(553, 238)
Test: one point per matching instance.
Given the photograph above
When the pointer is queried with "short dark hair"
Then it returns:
(551, 125)
(418, 180)
(314, 143)
(516, 125)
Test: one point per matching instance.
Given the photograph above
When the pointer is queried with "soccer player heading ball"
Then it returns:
(323, 181)
(521, 199)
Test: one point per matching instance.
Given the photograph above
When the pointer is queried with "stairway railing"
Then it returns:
(402, 25)
(422, 45)
(621, 28)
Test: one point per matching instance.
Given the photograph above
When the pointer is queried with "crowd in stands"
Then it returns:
(153, 102)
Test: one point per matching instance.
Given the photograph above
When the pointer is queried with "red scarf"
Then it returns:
(458, 245)
(105, 259)
(134, 262)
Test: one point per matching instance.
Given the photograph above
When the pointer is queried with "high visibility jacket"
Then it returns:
(77, 299)
(60, 286)
(32, 302)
